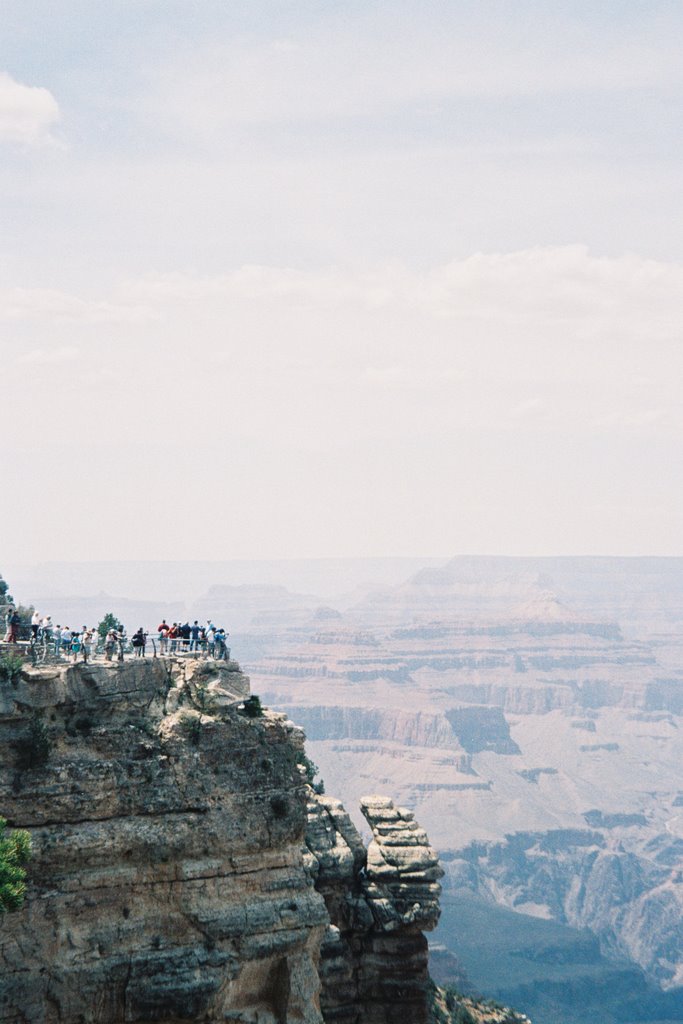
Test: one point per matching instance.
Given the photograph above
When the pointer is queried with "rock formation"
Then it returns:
(169, 879)
(374, 956)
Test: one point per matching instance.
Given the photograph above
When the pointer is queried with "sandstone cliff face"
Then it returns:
(169, 881)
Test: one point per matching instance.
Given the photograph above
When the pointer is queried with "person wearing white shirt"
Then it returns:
(66, 640)
(35, 624)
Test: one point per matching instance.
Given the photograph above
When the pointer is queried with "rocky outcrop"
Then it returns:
(169, 879)
(374, 964)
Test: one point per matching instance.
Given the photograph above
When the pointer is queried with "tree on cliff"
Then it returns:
(15, 850)
(108, 622)
(5, 598)
(24, 611)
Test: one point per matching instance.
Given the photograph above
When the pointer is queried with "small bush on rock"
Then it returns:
(192, 728)
(204, 699)
(280, 806)
(15, 850)
(252, 707)
(33, 749)
(311, 770)
(10, 667)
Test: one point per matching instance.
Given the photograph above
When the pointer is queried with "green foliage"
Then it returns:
(81, 724)
(33, 749)
(15, 850)
(108, 622)
(204, 699)
(311, 770)
(5, 597)
(191, 727)
(252, 707)
(10, 667)
(280, 806)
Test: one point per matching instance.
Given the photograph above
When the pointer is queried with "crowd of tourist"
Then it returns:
(112, 641)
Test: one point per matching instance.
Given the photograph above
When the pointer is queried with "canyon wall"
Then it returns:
(183, 869)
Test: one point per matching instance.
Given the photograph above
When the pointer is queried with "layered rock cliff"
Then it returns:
(374, 954)
(170, 881)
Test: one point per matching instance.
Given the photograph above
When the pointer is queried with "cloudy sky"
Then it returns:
(288, 278)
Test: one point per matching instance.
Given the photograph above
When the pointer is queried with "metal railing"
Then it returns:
(46, 648)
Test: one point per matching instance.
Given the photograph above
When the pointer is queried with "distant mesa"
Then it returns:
(544, 607)
(326, 614)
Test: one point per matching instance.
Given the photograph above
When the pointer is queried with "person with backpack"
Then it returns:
(75, 645)
(138, 642)
(173, 637)
(110, 642)
(163, 630)
(222, 649)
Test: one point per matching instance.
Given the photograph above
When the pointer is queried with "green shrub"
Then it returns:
(280, 806)
(311, 769)
(33, 749)
(205, 700)
(10, 667)
(15, 850)
(252, 707)
(191, 727)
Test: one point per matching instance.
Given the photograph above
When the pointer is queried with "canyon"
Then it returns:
(529, 713)
(537, 739)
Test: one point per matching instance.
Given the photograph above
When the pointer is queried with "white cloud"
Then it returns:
(49, 357)
(545, 294)
(411, 378)
(339, 71)
(52, 305)
(28, 114)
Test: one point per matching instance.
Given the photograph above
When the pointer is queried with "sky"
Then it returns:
(332, 279)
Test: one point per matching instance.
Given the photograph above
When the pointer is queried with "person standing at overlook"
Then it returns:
(13, 622)
(194, 633)
(86, 643)
(138, 642)
(66, 641)
(173, 637)
(47, 628)
(185, 631)
(222, 650)
(110, 644)
(163, 630)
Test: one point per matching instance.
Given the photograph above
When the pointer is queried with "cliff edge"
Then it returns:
(182, 868)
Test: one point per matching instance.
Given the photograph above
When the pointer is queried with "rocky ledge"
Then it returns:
(170, 880)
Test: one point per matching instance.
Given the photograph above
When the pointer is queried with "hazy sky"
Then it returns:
(340, 278)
